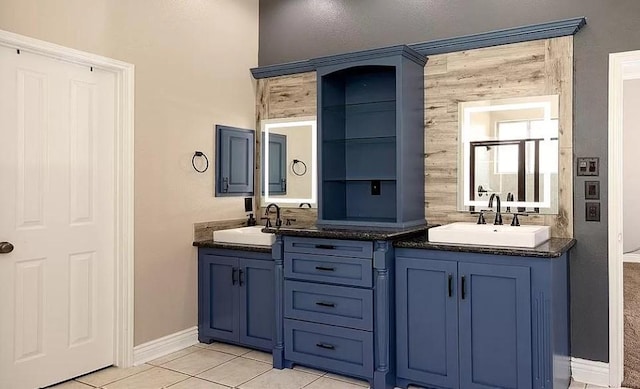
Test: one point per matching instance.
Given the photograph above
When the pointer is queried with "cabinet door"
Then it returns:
(495, 326)
(257, 303)
(218, 305)
(427, 321)
(235, 164)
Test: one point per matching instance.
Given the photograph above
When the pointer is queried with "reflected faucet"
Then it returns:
(268, 209)
(509, 198)
(302, 205)
(498, 219)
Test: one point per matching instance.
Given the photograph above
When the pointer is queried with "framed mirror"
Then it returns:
(289, 155)
(509, 147)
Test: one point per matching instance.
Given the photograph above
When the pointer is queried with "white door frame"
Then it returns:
(123, 250)
(622, 66)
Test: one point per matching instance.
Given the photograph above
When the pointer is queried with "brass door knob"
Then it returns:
(5, 247)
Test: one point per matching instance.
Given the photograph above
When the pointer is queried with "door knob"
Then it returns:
(5, 247)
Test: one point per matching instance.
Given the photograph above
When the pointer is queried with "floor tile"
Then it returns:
(329, 383)
(172, 356)
(154, 378)
(259, 356)
(350, 380)
(70, 385)
(226, 348)
(198, 361)
(280, 379)
(235, 372)
(197, 383)
(110, 374)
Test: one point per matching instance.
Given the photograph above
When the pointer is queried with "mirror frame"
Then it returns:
(266, 126)
(465, 109)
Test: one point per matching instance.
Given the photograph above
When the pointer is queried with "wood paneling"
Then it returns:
(285, 97)
(523, 69)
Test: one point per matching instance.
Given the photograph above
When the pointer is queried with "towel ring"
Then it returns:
(293, 167)
(193, 161)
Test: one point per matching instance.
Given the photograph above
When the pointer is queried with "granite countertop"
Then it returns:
(552, 248)
(229, 246)
(347, 234)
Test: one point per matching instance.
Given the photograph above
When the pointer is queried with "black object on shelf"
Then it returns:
(199, 154)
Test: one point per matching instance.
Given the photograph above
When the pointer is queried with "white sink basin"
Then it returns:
(245, 235)
(489, 234)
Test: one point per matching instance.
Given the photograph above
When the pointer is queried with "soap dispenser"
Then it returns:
(248, 207)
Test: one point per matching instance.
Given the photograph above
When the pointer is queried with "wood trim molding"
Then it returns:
(124, 216)
(531, 32)
(622, 66)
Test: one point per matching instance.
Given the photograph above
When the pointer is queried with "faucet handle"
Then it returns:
(480, 216)
(515, 222)
(288, 221)
(268, 223)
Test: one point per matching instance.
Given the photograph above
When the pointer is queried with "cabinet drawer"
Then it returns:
(334, 247)
(328, 304)
(337, 270)
(342, 350)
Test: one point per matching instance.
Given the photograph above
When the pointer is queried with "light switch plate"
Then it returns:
(588, 166)
(592, 190)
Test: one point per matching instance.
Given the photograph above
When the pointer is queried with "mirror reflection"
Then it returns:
(289, 154)
(509, 147)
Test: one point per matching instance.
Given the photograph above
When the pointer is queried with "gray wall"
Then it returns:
(300, 29)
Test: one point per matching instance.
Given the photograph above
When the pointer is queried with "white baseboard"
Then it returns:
(166, 345)
(590, 372)
(631, 257)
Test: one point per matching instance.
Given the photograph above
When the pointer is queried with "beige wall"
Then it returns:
(192, 61)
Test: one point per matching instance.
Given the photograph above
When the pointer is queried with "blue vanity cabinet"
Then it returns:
(236, 297)
(334, 307)
(371, 139)
(469, 320)
(235, 153)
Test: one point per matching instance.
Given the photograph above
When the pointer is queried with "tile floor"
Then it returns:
(218, 366)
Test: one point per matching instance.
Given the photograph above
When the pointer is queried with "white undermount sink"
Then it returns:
(245, 235)
(489, 234)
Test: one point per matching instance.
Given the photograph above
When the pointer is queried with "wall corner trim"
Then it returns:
(531, 32)
(590, 372)
(163, 346)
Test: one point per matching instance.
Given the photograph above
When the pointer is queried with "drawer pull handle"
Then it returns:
(325, 268)
(325, 304)
(450, 285)
(325, 246)
(326, 346)
(463, 287)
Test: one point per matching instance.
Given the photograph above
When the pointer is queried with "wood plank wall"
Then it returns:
(284, 97)
(534, 68)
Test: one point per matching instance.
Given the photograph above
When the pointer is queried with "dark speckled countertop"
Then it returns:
(228, 246)
(347, 234)
(552, 248)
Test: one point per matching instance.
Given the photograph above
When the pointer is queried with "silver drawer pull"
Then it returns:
(325, 304)
(325, 268)
(326, 346)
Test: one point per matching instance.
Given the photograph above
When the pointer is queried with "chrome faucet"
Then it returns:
(498, 219)
(268, 209)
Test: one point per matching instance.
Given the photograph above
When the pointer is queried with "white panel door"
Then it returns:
(57, 209)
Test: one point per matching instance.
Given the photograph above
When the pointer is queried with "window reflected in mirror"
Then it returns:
(288, 156)
(509, 147)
